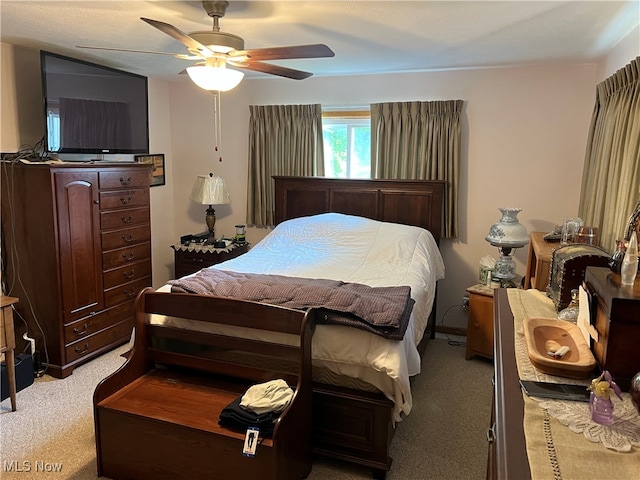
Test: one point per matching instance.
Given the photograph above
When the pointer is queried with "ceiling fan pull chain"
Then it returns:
(220, 123)
(217, 124)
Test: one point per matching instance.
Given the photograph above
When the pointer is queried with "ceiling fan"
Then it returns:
(217, 49)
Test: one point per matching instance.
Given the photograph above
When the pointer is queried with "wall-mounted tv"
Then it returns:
(93, 109)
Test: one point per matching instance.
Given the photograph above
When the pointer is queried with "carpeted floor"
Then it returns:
(444, 437)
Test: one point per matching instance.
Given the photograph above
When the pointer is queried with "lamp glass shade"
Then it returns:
(210, 190)
(214, 77)
(508, 232)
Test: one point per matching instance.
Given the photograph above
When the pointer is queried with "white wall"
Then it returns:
(625, 51)
(22, 109)
(162, 206)
(524, 138)
(524, 135)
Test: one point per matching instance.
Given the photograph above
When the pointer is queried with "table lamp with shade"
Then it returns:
(508, 234)
(210, 190)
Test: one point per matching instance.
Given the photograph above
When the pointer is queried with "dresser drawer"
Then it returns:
(124, 198)
(87, 326)
(127, 273)
(127, 291)
(124, 178)
(90, 344)
(124, 256)
(125, 237)
(124, 218)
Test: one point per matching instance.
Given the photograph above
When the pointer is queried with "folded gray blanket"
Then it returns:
(384, 311)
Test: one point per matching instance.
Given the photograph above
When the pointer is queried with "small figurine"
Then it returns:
(600, 403)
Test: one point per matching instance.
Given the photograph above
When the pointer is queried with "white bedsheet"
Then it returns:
(359, 250)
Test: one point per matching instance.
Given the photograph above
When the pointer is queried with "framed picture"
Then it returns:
(157, 161)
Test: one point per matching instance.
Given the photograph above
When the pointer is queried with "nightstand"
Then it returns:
(191, 258)
(480, 322)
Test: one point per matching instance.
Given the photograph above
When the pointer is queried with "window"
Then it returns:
(347, 144)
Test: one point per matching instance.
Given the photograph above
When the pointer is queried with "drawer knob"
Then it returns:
(83, 349)
(81, 331)
(125, 200)
(129, 275)
(128, 219)
(124, 181)
(129, 292)
(127, 238)
(128, 256)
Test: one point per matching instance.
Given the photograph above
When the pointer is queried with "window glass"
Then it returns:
(347, 144)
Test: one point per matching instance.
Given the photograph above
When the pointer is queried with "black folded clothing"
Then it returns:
(234, 416)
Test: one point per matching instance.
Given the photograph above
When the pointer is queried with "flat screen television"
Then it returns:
(93, 109)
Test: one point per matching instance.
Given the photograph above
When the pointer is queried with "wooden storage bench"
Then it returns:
(157, 416)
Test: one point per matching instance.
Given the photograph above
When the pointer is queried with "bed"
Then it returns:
(375, 232)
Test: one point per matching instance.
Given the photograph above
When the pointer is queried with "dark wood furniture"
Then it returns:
(410, 202)
(539, 261)
(480, 322)
(507, 458)
(616, 318)
(157, 416)
(188, 262)
(350, 424)
(78, 249)
(8, 343)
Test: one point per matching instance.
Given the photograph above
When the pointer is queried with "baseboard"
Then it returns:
(460, 331)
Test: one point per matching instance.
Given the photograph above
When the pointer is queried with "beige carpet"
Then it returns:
(51, 433)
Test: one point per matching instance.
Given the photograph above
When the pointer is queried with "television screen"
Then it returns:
(90, 108)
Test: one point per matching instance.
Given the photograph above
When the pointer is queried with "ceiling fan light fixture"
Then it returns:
(214, 78)
(221, 42)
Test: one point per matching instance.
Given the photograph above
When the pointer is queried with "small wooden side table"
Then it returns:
(480, 322)
(191, 258)
(8, 344)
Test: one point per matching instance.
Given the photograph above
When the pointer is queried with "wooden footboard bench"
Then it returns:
(157, 416)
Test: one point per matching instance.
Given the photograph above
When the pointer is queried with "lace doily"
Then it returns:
(625, 431)
(196, 247)
(620, 436)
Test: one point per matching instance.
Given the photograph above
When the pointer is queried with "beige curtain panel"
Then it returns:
(611, 175)
(420, 141)
(283, 140)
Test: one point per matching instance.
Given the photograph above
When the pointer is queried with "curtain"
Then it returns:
(94, 124)
(420, 141)
(283, 140)
(611, 176)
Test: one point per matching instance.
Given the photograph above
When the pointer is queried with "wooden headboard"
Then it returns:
(410, 202)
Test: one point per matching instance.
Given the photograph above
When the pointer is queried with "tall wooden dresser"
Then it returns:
(77, 248)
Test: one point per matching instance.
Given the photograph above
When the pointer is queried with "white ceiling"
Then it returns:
(366, 36)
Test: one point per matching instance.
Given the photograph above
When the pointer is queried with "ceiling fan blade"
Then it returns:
(179, 35)
(272, 69)
(283, 53)
(177, 55)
